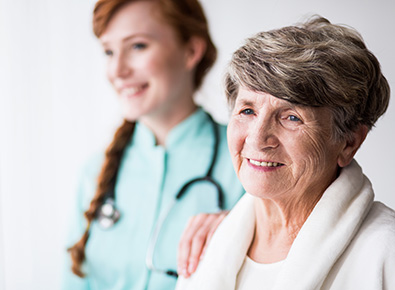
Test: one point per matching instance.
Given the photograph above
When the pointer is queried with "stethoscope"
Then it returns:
(108, 214)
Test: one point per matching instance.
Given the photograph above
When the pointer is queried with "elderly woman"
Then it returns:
(303, 99)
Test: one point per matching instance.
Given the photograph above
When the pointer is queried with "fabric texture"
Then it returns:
(150, 176)
(252, 273)
(347, 242)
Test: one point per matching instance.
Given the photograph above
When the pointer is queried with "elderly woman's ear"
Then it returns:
(352, 145)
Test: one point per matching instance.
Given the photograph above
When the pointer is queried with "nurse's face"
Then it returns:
(281, 150)
(147, 64)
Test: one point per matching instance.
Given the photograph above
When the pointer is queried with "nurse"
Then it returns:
(123, 235)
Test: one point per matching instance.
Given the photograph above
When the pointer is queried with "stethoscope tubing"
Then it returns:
(158, 227)
(149, 259)
(159, 224)
(220, 200)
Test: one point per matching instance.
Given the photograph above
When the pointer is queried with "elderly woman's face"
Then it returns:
(279, 148)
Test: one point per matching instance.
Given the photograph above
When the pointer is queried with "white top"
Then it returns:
(253, 275)
(347, 243)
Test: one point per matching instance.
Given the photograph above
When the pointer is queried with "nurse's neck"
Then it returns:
(162, 123)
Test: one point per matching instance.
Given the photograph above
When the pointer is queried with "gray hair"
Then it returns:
(315, 64)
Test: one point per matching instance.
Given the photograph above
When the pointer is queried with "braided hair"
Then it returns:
(187, 19)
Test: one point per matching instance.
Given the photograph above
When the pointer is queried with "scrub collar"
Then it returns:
(191, 126)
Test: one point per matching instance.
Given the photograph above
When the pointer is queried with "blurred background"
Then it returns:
(57, 109)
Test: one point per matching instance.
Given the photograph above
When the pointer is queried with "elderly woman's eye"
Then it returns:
(293, 118)
(247, 112)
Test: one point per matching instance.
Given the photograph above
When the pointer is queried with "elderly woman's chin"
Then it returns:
(264, 189)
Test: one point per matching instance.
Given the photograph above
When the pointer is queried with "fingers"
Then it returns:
(199, 242)
(185, 244)
(216, 223)
(194, 240)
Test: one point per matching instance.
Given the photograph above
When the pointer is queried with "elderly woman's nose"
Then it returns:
(262, 135)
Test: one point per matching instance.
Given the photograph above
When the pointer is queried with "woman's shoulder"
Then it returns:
(369, 260)
(381, 218)
(382, 214)
(378, 228)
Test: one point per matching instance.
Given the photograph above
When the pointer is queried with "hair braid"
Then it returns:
(105, 181)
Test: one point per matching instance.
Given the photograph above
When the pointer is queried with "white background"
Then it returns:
(57, 109)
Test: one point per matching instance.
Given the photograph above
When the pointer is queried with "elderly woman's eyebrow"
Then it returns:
(244, 102)
(285, 104)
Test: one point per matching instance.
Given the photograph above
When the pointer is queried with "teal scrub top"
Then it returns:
(149, 178)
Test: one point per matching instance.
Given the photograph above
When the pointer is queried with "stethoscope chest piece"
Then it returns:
(108, 215)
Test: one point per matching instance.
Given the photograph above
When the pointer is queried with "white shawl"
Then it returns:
(324, 237)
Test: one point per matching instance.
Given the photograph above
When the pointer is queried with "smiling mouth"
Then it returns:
(264, 163)
(133, 90)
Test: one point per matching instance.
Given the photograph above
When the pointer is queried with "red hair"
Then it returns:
(188, 20)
